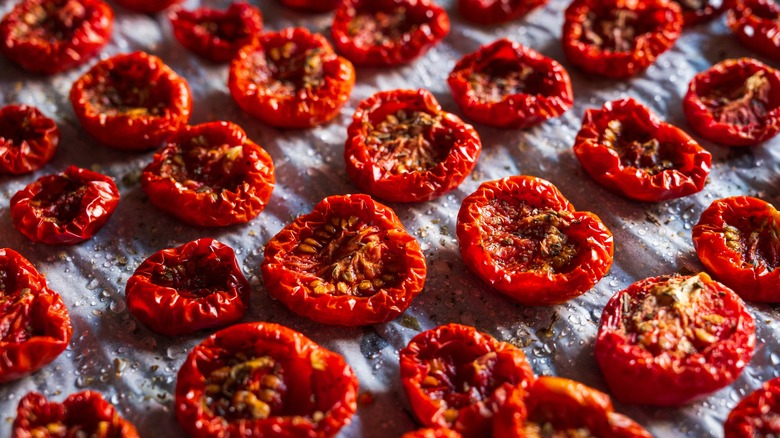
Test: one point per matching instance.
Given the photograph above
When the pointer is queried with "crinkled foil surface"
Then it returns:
(136, 368)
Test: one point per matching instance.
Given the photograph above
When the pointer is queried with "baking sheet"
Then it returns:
(136, 369)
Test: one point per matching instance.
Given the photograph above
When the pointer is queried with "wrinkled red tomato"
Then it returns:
(262, 379)
(349, 262)
(50, 36)
(64, 208)
(735, 103)
(383, 33)
(291, 79)
(689, 336)
(456, 377)
(402, 147)
(619, 38)
(738, 240)
(487, 12)
(312, 5)
(439, 432)
(755, 23)
(147, 6)
(131, 101)
(625, 147)
(210, 175)
(507, 85)
(28, 139)
(34, 322)
(195, 286)
(757, 414)
(217, 35)
(700, 11)
(83, 414)
(523, 237)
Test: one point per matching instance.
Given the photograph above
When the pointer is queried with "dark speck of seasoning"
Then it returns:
(410, 322)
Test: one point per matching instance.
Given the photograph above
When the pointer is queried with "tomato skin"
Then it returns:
(64, 208)
(86, 413)
(549, 97)
(255, 86)
(712, 9)
(462, 349)
(318, 380)
(28, 139)
(140, 120)
(531, 286)
(754, 22)
(312, 5)
(487, 12)
(430, 24)
(211, 188)
(147, 6)
(729, 74)
(432, 433)
(291, 272)
(753, 415)
(25, 299)
(367, 168)
(233, 28)
(635, 374)
(81, 29)
(690, 163)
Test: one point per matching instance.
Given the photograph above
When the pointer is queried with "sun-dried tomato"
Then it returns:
(263, 380)
(507, 85)
(487, 12)
(382, 33)
(312, 5)
(456, 377)
(701, 11)
(670, 340)
(28, 139)
(64, 208)
(34, 323)
(523, 237)
(210, 175)
(402, 147)
(291, 79)
(439, 432)
(83, 414)
(50, 36)
(348, 262)
(755, 23)
(625, 147)
(619, 38)
(757, 414)
(735, 103)
(131, 101)
(147, 6)
(214, 34)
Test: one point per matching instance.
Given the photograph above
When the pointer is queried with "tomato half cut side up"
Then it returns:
(387, 33)
(735, 103)
(625, 147)
(755, 24)
(312, 5)
(456, 377)
(488, 12)
(210, 175)
(349, 262)
(51, 36)
(147, 6)
(402, 147)
(65, 208)
(521, 236)
(263, 379)
(507, 85)
(28, 139)
(34, 323)
(688, 335)
(756, 415)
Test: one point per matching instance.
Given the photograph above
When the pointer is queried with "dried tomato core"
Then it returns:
(637, 147)
(51, 20)
(60, 200)
(15, 317)
(127, 92)
(228, 28)
(757, 238)
(205, 168)
(381, 28)
(614, 29)
(542, 429)
(501, 78)
(194, 277)
(287, 70)
(744, 104)
(16, 129)
(409, 142)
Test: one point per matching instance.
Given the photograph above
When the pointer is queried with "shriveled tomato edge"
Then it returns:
(32, 153)
(754, 32)
(475, 11)
(757, 405)
(147, 6)
(708, 13)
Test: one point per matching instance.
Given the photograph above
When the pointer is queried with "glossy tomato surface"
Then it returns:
(312, 5)
(757, 414)
(755, 23)
(28, 139)
(147, 6)
(701, 11)
(488, 12)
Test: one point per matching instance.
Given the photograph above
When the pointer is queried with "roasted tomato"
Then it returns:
(625, 147)
(131, 101)
(524, 238)
(755, 23)
(738, 240)
(28, 139)
(557, 407)
(456, 377)
(688, 335)
(382, 33)
(348, 262)
(402, 147)
(487, 12)
(217, 35)
(619, 38)
(65, 208)
(147, 6)
(50, 36)
(735, 103)
(757, 414)
(439, 432)
(83, 414)
(291, 79)
(263, 380)
(508, 85)
(210, 175)
(312, 5)
(195, 286)
(700, 11)
(34, 323)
